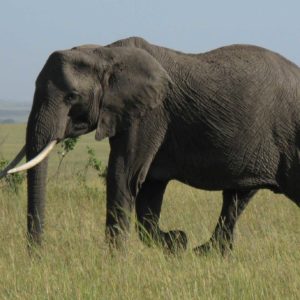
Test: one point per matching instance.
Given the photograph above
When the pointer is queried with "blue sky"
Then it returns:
(30, 30)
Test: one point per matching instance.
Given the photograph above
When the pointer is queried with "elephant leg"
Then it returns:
(148, 208)
(234, 202)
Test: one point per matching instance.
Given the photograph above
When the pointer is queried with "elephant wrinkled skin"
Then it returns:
(226, 120)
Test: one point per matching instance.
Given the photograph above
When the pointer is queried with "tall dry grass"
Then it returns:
(74, 262)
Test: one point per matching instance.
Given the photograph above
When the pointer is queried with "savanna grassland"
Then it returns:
(74, 262)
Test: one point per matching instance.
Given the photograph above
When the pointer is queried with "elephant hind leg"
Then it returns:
(148, 208)
(234, 202)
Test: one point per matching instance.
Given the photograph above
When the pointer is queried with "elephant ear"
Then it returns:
(134, 84)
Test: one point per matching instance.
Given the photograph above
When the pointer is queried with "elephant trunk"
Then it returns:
(39, 134)
(36, 189)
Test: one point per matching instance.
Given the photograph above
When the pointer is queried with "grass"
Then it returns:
(74, 262)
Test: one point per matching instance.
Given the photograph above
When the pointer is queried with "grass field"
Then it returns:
(74, 262)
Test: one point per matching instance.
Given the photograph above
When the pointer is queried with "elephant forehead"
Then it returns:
(73, 75)
(64, 77)
(66, 65)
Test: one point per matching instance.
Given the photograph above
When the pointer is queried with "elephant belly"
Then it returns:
(194, 172)
(211, 174)
(209, 178)
(222, 178)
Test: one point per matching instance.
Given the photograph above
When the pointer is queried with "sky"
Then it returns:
(31, 30)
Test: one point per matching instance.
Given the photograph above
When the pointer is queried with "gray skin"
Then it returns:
(226, 120)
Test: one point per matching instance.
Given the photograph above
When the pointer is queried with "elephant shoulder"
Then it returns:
(86, 47)
(134, 41)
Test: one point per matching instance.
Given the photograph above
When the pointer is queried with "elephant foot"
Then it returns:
(223, 247)
(116, 240)
(174, 241)
(203, 249)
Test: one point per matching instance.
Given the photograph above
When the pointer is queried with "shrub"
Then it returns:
(11, 182)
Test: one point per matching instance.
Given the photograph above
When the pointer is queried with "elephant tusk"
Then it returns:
(15, 161)
(36, 160)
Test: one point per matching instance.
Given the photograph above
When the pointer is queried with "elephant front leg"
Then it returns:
(118, 212)
(234, 202)
(131, 155)
(148, 208)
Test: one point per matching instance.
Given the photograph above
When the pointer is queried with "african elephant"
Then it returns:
(228, 120)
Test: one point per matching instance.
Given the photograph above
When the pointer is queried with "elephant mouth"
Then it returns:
(79, 129)
(76, 129)
(81, 126)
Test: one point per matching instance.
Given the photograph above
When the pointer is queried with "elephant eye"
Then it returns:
(72, 97)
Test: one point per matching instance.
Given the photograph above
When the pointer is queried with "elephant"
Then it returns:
(224, 120)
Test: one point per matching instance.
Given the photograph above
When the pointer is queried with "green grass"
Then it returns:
(74, 262)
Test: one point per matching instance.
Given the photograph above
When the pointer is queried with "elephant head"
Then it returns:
(81, 90)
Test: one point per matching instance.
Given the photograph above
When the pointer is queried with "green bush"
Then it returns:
(67, 145)
(95, 163)
(11, 182)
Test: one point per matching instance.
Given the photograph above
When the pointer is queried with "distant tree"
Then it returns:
(7, 121)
